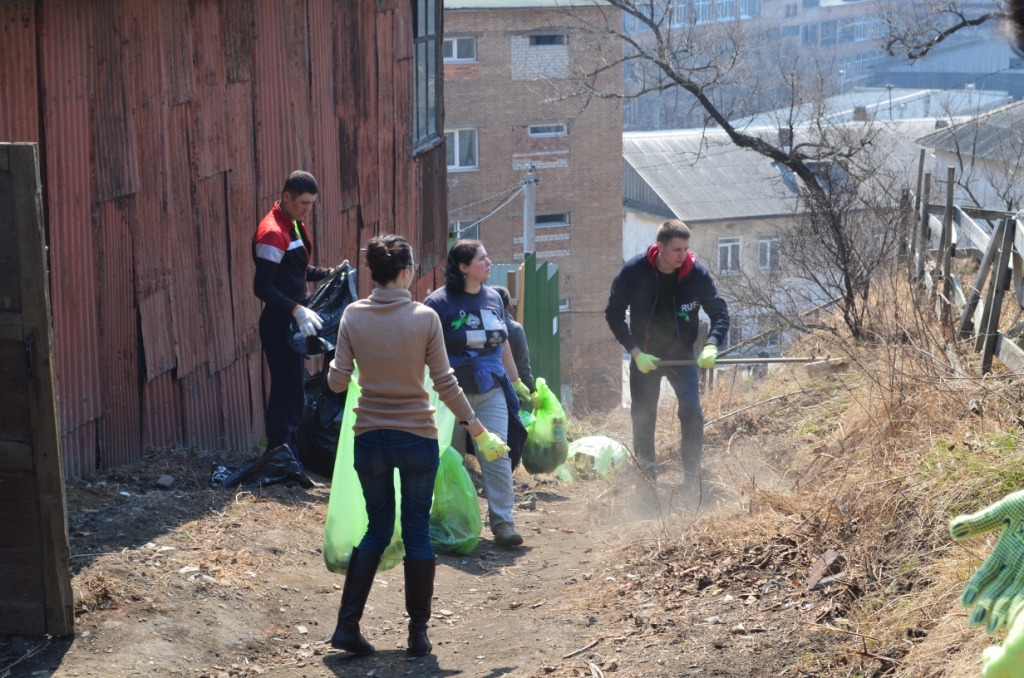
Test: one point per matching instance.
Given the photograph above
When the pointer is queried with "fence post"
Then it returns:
(994, 299)
(974, 295)
(946, 251)
(922, 234)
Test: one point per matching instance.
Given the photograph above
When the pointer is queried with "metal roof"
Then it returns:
(702, 176)
(518, 4)
(879, 103)
(998, 135)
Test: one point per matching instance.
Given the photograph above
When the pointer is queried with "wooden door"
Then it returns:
(35, 584)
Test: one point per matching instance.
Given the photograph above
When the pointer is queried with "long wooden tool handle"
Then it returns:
(737, 361)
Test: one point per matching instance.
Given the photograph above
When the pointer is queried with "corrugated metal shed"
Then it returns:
(998, 136)
(169, 127)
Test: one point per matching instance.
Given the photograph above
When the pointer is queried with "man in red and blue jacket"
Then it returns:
(664, 289)
(281, 249)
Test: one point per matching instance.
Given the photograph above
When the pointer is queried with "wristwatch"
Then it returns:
(469, 422)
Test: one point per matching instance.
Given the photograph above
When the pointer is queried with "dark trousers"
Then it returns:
(284, 407)
(375, 457)
(644, 390)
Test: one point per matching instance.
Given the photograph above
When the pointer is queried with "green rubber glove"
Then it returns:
(490, 445)
(645, 362)
(520, 388)
(1006, 661)
(997, 589)
(706, 359)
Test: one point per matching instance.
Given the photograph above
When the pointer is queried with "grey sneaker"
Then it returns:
(505, 535)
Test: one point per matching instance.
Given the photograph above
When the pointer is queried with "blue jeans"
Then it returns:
(376, 455)
(644, 390)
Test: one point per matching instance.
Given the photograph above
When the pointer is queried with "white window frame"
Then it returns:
(454, 143)
(749, 9)
(703, 12)
(564, 131)
(725, 10)
(768, 249)
(464, 229)
(564, 305)
(426, 64)
(567, 221)
(455, 58)
(733, 247)
(680, 13)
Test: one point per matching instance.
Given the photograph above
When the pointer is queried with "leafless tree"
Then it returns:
(722, 66)
(915, 28)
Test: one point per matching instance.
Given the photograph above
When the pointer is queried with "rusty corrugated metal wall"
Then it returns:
(167, 128)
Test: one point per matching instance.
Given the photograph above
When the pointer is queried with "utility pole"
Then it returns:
(529, 210)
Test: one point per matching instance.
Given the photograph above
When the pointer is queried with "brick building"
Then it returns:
(505, 63)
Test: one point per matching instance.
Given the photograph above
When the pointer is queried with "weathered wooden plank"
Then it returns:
(36, 315)
(15, 408)
(10, 284)
(329, 248)
(15, 456)
(215, 270)
(114, 149)
(349, 79)
(366, 114)
(980, 236)
(22, 619)
(994, 302)
(10, 327)
(969, 316)
(386, 123)
(1009, 353)
(238, 18)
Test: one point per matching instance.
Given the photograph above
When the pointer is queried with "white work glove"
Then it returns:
(309, 322)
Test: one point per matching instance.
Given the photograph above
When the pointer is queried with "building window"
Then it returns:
(463, 230)
(768, 253)
(702, 11)
(726, 10)
(810, 34)
(546, 40)
(829, 33)
(551, 220)
(564, 306)
(811, 4)
(548, 130)
(847, 30)
(791, 31)
(425, 59)
(728, 256)
(459, 49)
(749, 9)
(461, 149)
(680, 13)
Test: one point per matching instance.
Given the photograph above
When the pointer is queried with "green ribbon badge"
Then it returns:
(684, 315)
(457, 324)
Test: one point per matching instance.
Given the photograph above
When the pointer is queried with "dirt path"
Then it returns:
(193, 582)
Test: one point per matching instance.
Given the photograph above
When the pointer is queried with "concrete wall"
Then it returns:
(500, 95)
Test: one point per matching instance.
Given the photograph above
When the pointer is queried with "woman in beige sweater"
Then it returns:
(393, 338)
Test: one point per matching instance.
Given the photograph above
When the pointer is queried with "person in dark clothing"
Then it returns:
(516, 339)
(281, 248)
(664, 289)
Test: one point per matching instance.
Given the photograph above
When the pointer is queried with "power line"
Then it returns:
(522, 187)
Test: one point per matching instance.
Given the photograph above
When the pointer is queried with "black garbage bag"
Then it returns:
(329, 301)
(278, 465)
(317, 439)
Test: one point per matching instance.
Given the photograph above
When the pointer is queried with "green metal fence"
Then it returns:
(538, 313)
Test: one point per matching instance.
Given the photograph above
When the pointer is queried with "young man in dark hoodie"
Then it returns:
(664, 289)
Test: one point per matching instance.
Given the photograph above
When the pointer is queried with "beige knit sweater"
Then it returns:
(392, 337)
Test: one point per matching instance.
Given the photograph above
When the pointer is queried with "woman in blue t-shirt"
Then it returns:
(473, 320)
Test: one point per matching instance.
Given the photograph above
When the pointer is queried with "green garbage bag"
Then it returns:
(546, 446)
(591, 458)
(346, 510)
(455, 514)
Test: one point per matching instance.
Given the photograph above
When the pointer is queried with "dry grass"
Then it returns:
(873, 463)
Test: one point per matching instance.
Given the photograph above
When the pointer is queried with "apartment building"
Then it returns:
(506, 64)
(839, 39)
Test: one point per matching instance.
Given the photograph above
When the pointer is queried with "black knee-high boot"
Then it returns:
(419, 591)
(362, 568)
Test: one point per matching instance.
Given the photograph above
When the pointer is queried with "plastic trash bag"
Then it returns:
(332, 296)
(320, 427)
(546, 446)
(346, 509)
(278, 465)
(591, 458)
(455, 522)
